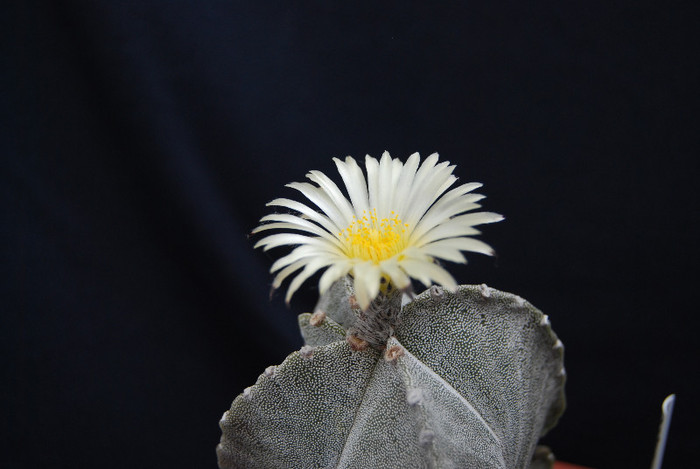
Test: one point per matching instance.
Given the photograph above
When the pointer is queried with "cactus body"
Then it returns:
(469, 379)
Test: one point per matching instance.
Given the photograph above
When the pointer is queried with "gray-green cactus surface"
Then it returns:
(470, 379)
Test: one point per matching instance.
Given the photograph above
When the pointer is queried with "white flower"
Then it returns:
(396, 223)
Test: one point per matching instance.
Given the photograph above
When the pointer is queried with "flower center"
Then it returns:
(371, 238)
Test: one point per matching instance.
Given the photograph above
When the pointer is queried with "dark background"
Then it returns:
(141, 140)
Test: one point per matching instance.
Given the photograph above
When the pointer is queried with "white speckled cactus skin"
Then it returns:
(470, 379)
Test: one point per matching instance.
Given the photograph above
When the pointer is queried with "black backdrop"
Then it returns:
(141, 140)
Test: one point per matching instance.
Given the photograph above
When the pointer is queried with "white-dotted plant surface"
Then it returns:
(470, 379)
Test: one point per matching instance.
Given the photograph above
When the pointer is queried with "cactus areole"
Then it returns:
(457, 377)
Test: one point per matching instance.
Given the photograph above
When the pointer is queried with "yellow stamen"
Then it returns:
(371, 238)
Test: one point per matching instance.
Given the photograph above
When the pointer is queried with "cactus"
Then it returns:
(466, 379)
(463, 377)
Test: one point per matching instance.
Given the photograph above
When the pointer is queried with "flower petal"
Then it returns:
(333, 193)
(447, 253)
(355, 184)
(396, 275)
(404, 186)
(311, 268)
(384, 186)
(333, 273)
(456, 195)
(292, 239)
(427, 272)
(302, 252)
(462, 225)
(428, 191)
(434, 218)
(372, 167)
(322, 201)
(462, 244)
(286, 272)
(300, 225)
(312, 214)
(366, 281)
(417, 189)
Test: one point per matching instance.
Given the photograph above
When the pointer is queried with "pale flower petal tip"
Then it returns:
(393, 221)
